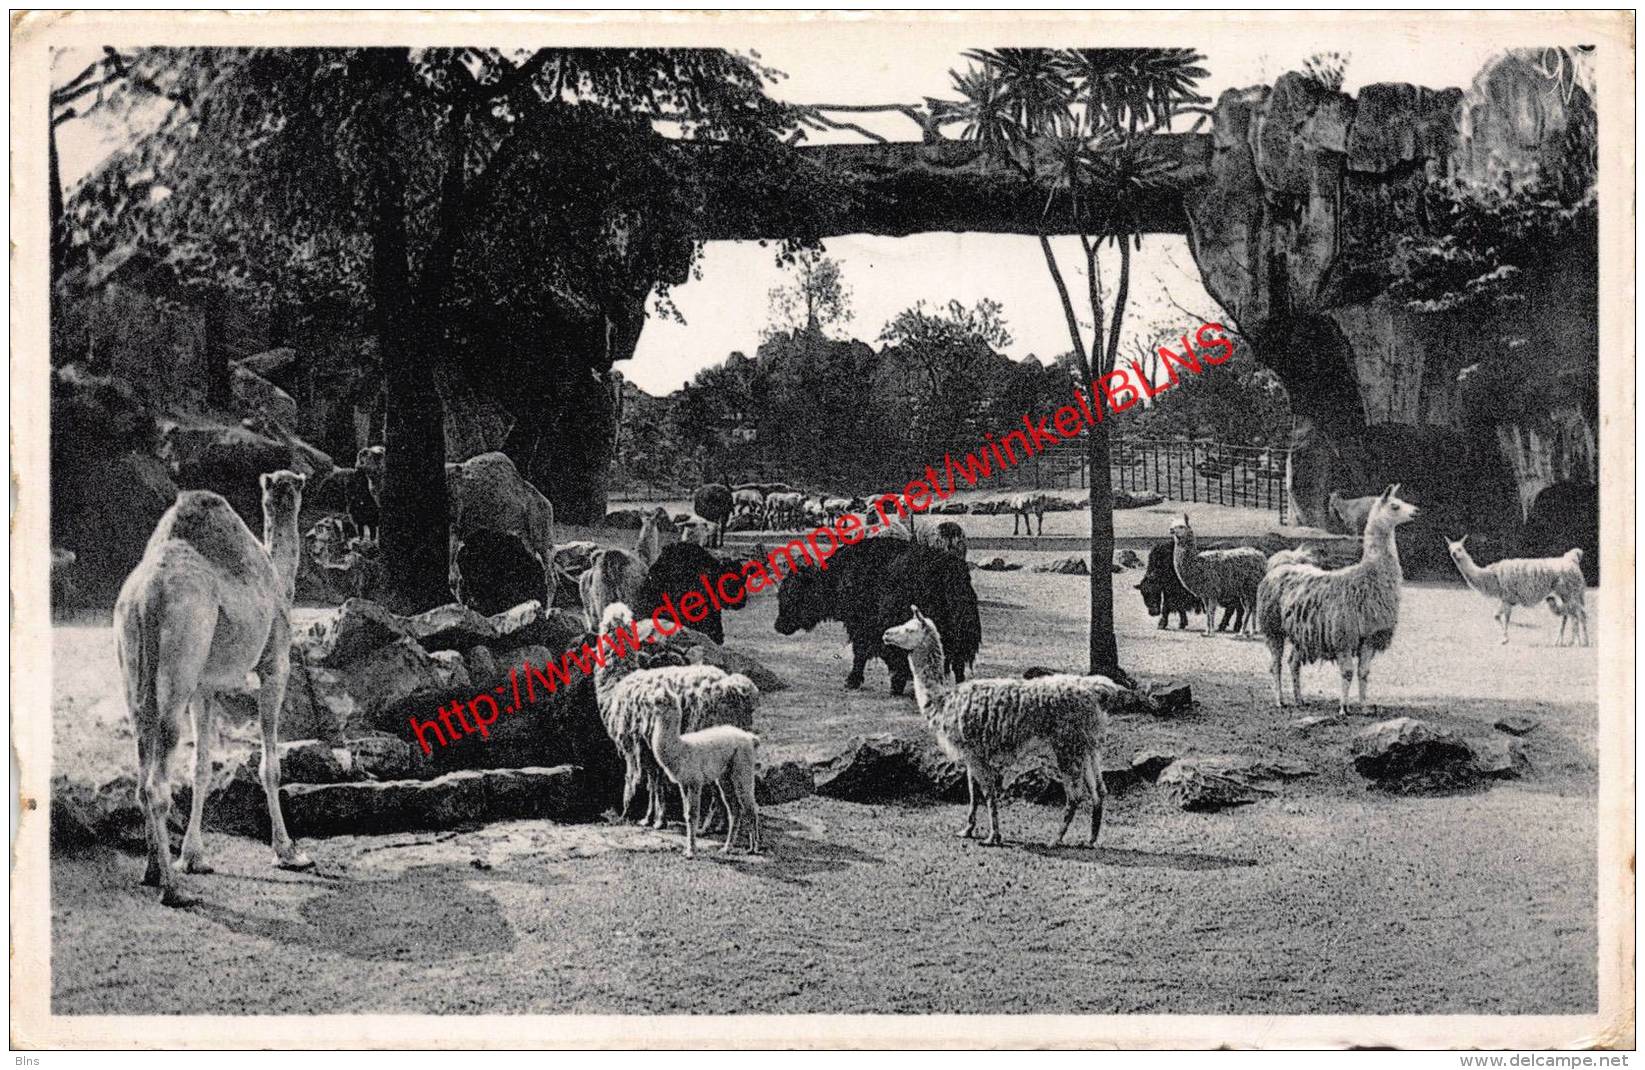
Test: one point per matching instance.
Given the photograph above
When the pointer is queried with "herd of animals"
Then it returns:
(210, 602)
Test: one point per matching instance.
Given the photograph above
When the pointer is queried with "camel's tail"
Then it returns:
(140, 659)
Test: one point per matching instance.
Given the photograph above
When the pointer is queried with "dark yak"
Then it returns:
(678, 570)
(869, 587)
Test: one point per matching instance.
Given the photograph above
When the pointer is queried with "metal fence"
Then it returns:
(1249, 477)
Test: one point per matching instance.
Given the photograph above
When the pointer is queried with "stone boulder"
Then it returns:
(998, 564)
(456, 799)
(1502, 758)
(1194, 785)
(258, 399)
(382, 682)
(1129, 559)
(1150, 762)
(625, 519)
(384, 757)
(1124, 499)
(1412, 756)
(1064, 566)
(872, 769)
(496, 570)
(784, 782)
(229, 459)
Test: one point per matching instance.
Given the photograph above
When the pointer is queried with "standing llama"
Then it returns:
(629, 697)
(1218, 577)
(722, 755)
(1525, 581)
(1024, 508)
(1346, 615)
(617, 575)
(987, 723)
(207, 604)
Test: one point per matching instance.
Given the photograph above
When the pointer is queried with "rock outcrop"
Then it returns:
(1295, 231)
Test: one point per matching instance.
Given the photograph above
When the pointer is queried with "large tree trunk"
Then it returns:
(1105, 657)
(414, 489)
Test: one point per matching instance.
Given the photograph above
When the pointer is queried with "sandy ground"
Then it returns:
(1327, 898)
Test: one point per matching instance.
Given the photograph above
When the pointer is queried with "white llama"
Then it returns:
(987, 723)
(1346, 615)
(1525, 581)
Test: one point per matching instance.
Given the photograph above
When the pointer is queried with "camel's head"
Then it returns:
(911, 634)
(282, 492)
(1181, 529)
(1390, 511)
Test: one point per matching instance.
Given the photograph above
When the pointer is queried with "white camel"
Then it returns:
(207, 604)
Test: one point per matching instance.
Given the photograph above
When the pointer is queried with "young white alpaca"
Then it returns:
(988, 723)
(1218, 577)
(1346, 615)
(721, 755)
(629, 696)
(1525, 581)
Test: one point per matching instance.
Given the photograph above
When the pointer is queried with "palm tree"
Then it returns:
(1084, 122)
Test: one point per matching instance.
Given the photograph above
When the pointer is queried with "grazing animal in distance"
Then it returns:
(488, 492)
(1353, 512)
(207, 604)
(714, 502)
(748, 499)
(1026, 506)
(629, 697)
(1525, 581)
(1346, 615)
(987, 724)
(1218, 577)
(868, 587)
(721, 755)
(784, 509)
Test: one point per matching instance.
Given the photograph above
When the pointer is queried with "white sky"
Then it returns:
(727, 307)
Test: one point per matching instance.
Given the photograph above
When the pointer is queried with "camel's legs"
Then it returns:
(154, 792)
(194, 850)
(273, 670)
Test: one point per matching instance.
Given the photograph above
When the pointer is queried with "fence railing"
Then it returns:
(1250, 477)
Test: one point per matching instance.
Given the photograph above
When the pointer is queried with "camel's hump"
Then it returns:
(206, 521)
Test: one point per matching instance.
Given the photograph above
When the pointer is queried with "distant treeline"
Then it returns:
(842, 415)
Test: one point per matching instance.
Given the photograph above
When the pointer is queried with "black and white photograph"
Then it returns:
(644, 529)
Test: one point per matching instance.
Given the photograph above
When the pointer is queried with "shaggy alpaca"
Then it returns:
(629, 696)
(987, 723)
(1346, 615)
(1218, 577)
(722, 755)
(1023, 508)
(206, 605)
(617, 575)
(1525, 581)
(1298, 556)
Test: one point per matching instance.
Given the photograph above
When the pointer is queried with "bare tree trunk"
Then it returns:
(1104, 646)
(413, 503)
